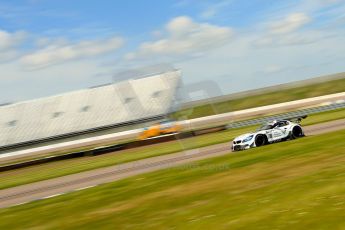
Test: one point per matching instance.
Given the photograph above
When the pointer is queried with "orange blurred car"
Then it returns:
(162, 128)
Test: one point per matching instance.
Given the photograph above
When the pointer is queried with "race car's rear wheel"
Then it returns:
(296, 132)
(260, 140)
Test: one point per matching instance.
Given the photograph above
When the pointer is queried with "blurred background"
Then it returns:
(124, 113)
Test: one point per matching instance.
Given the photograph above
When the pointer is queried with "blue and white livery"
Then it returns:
(274, 131)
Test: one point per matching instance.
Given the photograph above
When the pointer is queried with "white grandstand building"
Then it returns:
(88, 110)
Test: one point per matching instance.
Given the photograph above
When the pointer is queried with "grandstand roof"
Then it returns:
(88, 109)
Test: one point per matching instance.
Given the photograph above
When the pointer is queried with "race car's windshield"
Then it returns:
(265, 127)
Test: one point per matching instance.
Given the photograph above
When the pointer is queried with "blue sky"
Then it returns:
(49, 47)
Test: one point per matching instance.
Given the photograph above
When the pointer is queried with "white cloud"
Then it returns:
(7, 55)
(56, 79)
(289, 24)
(289, 39)
(236, 66)
(209, 13)
(287, 31)
(58, 52)
(214, 8)
(185, 37)
(273, 69)
(10, 40)
(330, 1)
(9, 43)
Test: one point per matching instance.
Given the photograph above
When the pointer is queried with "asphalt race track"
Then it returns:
(57, 186)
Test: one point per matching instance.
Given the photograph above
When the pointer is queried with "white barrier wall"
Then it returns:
(88, 109)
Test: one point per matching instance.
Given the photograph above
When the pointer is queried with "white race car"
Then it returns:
(274, 131)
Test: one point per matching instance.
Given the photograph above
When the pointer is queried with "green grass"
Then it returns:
(324, 117)
(266, 98)
(67, 167)
(298, 184)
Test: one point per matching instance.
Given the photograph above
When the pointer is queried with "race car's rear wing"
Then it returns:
(297, 119)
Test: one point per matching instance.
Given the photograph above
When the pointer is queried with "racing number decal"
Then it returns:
(277, 134)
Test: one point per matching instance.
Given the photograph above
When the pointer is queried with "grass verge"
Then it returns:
(324, 117)
(297, 184)
(265, 98)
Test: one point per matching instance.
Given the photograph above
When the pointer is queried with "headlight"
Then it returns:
(248, 138)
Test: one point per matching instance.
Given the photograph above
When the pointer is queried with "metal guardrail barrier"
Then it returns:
(301, 112)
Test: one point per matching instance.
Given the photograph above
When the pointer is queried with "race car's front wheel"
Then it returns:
(260, 140)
